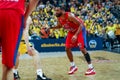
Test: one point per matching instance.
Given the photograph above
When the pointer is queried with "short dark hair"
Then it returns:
(61, 8)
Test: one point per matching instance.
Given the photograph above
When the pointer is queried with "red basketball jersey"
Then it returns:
(69, 25)
(13, 4)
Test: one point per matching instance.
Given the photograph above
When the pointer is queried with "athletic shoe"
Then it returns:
(16, 76)
(90, 71)
(73, 69)
(42, 78)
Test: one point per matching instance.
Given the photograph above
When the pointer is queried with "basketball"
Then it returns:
(60, 39)
(44, 32)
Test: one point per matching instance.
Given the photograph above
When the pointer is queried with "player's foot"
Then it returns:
(73, 69)
(16, 76)
(42, 78)
(90, 71)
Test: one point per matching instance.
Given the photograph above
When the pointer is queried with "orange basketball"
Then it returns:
(44, 32)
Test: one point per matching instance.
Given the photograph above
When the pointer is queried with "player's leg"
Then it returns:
(6, 64)
(10, 41)
(36, 59)
(4, 67)
(90, 70)
(68, 46)
(17, 61)
(9, 77)
(6, 73)
(15, 69)
(69, 54)
(22, 50)
(73, 67)
(82, 45)
(40, 74)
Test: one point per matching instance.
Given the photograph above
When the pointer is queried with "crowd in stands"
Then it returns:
(98, 16)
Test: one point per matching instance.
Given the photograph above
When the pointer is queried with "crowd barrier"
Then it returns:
(55, 45)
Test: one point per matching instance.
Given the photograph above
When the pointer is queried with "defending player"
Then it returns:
(32, 52)
(11, 27)
(76, 37)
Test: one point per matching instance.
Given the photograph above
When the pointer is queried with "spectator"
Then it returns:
(110, 30)
(95, 14)
(117, 33)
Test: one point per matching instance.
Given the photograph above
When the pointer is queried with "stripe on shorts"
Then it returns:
(19, 39)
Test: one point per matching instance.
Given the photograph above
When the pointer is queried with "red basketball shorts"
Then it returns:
(11, 27)
(80, 42)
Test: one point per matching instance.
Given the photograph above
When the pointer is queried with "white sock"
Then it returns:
(90, 66)
(72, 63)
(40, 73)
(15, 71)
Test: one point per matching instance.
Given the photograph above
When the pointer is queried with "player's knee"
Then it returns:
(84, 51)
(31, 53)
(67, 49)
(34, 53)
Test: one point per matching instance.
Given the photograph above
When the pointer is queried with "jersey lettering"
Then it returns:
(68, 28)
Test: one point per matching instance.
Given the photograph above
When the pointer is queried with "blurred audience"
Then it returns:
(100, 17)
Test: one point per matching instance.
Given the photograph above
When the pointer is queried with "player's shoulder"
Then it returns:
(70, 14)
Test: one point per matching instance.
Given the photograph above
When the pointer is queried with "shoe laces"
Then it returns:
(72, 67)
(90, 69)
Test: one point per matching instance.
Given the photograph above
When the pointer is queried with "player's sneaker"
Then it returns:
(16, 76)
(73, 69)
(90, 71)
(42, 78)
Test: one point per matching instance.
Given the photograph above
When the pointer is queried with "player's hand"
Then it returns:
(48, 30)
(74, 38)
(30, 50)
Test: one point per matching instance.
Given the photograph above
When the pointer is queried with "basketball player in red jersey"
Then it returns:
(76, 37)
(11, 27)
